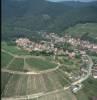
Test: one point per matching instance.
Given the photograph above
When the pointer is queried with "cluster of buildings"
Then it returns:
(76, 88)
(75, 42)
(28, 45)
(94, 71)
(49, 46)
(82, 44)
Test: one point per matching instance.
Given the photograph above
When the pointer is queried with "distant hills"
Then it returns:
(22, 17)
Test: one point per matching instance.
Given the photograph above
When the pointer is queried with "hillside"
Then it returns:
(23, 17)
(86, 31)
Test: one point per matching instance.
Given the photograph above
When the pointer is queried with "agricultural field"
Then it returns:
(61, 95)
(68, 64)
(14, 86)
(4, 80)
(40, 64)
(17, 64)
(31, 83)
(5, 59)
(89, 90)
(13, 49)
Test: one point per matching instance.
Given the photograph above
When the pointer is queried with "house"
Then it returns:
(94, 72)
(76, 88)
(71, 55)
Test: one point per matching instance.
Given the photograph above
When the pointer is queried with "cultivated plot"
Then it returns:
(5, 59)
(40, 64)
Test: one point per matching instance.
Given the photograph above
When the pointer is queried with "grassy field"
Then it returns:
(18, 85)
(40, 64)
(4, 80)
(5, 59)
(48, 83)
(89, 90)
(13, 49)
(61, 95)
(17, 64)
(69, 65)
(15, 87)
(62, 77)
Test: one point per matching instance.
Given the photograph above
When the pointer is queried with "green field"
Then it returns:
(89, 90)
(5, 59)
(17, 64)
(69, 65)
(14, 86)
(62, 77)
(40, 64)
(4, 80)
(61, 95)
(13, 49)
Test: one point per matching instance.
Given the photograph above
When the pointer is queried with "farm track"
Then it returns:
(10, 62)
(37, 95)
(22, 56)
(18, 72)
(28, 73)
(7, 52)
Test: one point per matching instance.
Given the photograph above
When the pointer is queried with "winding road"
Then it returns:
(90, 64)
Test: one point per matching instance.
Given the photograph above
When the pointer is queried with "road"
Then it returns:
(88, 74)
(30, 73)
(36, 95)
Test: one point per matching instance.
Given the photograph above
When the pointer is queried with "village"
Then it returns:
(26, 44)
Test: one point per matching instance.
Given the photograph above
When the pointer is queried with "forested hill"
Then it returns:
(26, 16)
